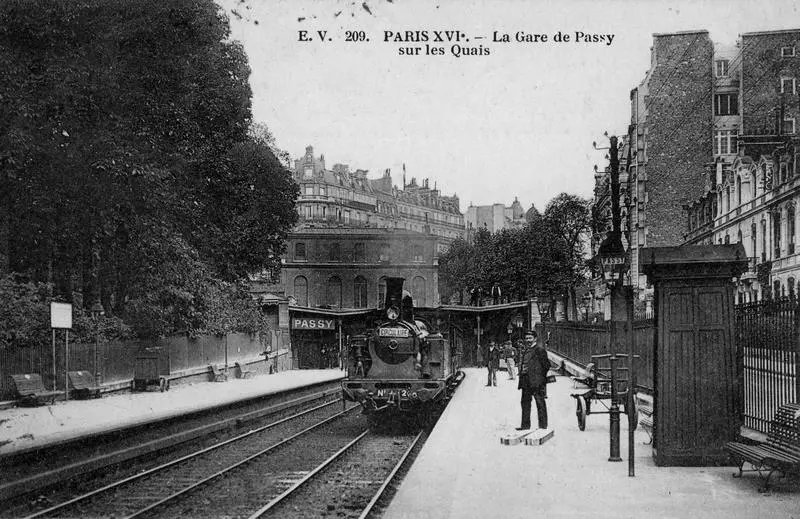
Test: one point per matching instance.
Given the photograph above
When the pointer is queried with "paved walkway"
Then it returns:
(26, 428)
(464, 472)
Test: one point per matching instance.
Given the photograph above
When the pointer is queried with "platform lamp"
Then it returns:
(96, 312)
(544, 312)
(518, 322)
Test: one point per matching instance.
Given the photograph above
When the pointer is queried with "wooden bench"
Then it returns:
(83, 384)
(217, 375)
(30, 389)
(780, 452)
(243, 371)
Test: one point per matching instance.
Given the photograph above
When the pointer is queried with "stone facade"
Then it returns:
(347, 267)
(354, 231)
(339, 197)
(753, 193)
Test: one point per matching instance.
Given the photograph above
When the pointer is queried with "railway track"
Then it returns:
(83, 470)
(350, 483)
(199, 483)
(334, 467)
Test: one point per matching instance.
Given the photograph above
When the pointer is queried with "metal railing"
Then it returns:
(768, 334)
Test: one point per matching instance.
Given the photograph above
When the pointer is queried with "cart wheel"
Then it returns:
(162, 385)
(580, 412)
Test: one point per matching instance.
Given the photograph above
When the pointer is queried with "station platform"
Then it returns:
(29, 428)
(464, 471)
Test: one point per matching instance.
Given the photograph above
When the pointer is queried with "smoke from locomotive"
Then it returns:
(401, 363)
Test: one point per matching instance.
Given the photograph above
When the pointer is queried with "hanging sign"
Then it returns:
(306, 323)
(60, 315)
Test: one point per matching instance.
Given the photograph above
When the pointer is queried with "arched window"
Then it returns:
(753, 241)
(763, 240)
(360, 292)
(776, 289)
(727, 239)
(739, 190)
(301, 290)
(381, 293)
(790, 228)
(790, 286)
(776, 234)
(418, 291)
(739, 236)
(334, 292)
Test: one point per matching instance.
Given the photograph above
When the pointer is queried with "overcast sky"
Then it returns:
(518, 122)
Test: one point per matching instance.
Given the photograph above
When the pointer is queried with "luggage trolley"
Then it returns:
(598, 386)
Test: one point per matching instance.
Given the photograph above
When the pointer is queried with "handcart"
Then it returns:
(594, 392)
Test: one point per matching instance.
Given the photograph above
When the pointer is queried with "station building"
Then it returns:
(352, 233)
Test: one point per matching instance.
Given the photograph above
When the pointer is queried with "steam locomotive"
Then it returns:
(401, 364)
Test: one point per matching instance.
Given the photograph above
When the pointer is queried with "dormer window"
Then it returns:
(308, 172)
(787, 52)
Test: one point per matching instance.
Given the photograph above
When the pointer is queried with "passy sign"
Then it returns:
(302, 323)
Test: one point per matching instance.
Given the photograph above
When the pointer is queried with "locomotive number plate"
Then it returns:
(404, 393)
(392, 332)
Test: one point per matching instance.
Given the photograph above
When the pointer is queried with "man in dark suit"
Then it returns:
(492, 356)
(533, 381)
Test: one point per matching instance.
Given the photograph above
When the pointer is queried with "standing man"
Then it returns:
(534, 365)
(508, 351)
(492, 362)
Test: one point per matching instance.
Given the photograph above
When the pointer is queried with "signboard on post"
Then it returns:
(60, 315)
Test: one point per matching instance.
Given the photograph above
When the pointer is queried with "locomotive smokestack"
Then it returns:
(394, 293)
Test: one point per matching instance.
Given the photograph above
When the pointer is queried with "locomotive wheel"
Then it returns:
(580, 412)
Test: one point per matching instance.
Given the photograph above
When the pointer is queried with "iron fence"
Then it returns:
(767, 333)
(579, 341)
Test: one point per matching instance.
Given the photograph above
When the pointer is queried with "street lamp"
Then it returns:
(615, 261)
(544, 312)
(519, 322)
(96, 312)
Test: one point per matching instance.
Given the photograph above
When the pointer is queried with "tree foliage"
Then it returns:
(130, 172)
(545, 258)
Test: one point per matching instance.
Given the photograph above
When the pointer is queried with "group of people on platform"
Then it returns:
(531, 358)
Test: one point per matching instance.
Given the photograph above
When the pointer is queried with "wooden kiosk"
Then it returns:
(697, 392)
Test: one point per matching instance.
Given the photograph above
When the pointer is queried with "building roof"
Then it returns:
(765, 33)
(360, 231)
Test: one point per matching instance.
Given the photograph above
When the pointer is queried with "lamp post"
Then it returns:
(519, 322)
(615, 261)
(96, 312)
(544, 312)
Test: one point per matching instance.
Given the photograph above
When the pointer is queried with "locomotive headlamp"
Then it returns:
(392, 313)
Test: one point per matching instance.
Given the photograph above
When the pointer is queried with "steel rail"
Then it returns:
(235, 465)
(260, 512)
(389, 478)
(57, 475)
(172, 463)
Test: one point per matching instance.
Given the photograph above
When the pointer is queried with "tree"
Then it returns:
(130, 172)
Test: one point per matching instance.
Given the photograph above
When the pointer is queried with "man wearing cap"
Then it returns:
(534, 365)
(492, 362)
